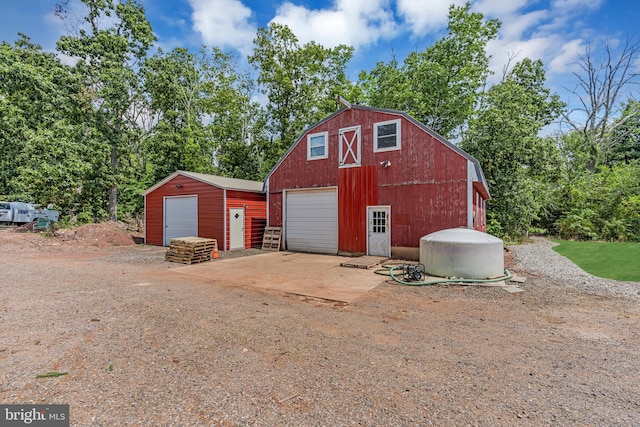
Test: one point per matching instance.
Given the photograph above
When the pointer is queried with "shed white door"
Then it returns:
(312, 221)
(180, 217)
(236, 228)
(379, 230)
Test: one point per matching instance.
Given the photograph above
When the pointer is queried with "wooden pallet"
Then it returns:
(194, 242)
(188, 251)
(191, 250)
(187, 259)
(271, 238)
(364, 262)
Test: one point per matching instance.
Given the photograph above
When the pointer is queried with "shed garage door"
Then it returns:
(312, 221)
(180, 217)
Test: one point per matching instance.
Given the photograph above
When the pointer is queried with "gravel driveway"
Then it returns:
(143, 347)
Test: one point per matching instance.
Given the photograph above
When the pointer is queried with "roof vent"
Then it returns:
(343, 101)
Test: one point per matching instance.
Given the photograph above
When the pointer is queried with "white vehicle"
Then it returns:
(21, 213)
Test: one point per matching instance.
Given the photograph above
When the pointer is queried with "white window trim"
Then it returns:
(398, 136)
(326, 145)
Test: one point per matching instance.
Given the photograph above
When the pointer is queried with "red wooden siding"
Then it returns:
(275, 209)
(426, 183)
(210, 209)
(479, 209)
(479, 212)
(420, 209)
(357, 189)
(255, 215)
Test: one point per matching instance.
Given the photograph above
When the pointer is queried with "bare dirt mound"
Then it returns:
(101, 235)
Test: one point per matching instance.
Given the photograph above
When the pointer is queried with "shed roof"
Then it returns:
(404, 114)
(223, 182)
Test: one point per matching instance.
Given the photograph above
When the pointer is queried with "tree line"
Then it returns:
(92, 136)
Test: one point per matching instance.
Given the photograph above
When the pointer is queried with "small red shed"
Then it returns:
(372, 181)
(232, 211)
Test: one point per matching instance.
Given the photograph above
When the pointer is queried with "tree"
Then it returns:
(440, 86)
(520, 167)
(602, 85)
(206, 120)
(47, 151)
(604, 204)
(108, 58)
(180, 85)
(625, 135)
(300, 82)
(384, 86)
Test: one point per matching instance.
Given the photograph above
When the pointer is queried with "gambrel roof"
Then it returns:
(478, 169)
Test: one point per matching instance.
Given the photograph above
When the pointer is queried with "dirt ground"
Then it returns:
(142, 346)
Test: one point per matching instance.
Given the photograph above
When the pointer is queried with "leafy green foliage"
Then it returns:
(108, 58)
(520, 167)
(625, 137)
(48, 151)
(603, 205)
(91, 137)
(206, 120)
(442, 85)
(300, 83)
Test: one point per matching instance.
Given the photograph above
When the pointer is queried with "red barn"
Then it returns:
(372, 181)
(232, 211)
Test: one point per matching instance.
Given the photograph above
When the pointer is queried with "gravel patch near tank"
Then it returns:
(538, 257)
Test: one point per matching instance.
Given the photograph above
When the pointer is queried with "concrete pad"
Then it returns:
(317, 276)
(513, 289)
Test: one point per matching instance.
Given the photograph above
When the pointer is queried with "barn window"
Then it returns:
(386, 136)
(317, 146)
(379, 222)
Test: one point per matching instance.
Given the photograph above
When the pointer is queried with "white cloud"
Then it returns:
(353, 22)
(500, 8)
(565, 60)
(425, 16)
(517, 26)
(575, 5)
(509, 52)
(551, 32)
(224, 23)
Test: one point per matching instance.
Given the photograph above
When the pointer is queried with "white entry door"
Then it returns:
(236, 228)
(379, 230)
(180, 217)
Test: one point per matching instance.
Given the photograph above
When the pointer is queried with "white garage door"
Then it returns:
(312, 221)
(180, 217)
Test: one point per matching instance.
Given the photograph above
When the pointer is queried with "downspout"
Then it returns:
(145, 220)
(224, 219)
(470, 169)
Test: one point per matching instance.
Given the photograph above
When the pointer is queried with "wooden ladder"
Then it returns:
(271, 238)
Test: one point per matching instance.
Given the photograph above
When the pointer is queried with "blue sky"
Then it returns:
(554, 31)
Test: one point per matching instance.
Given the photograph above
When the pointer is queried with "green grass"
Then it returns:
(618, 261)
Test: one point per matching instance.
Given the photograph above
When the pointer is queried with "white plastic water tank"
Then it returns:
(463, 253)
